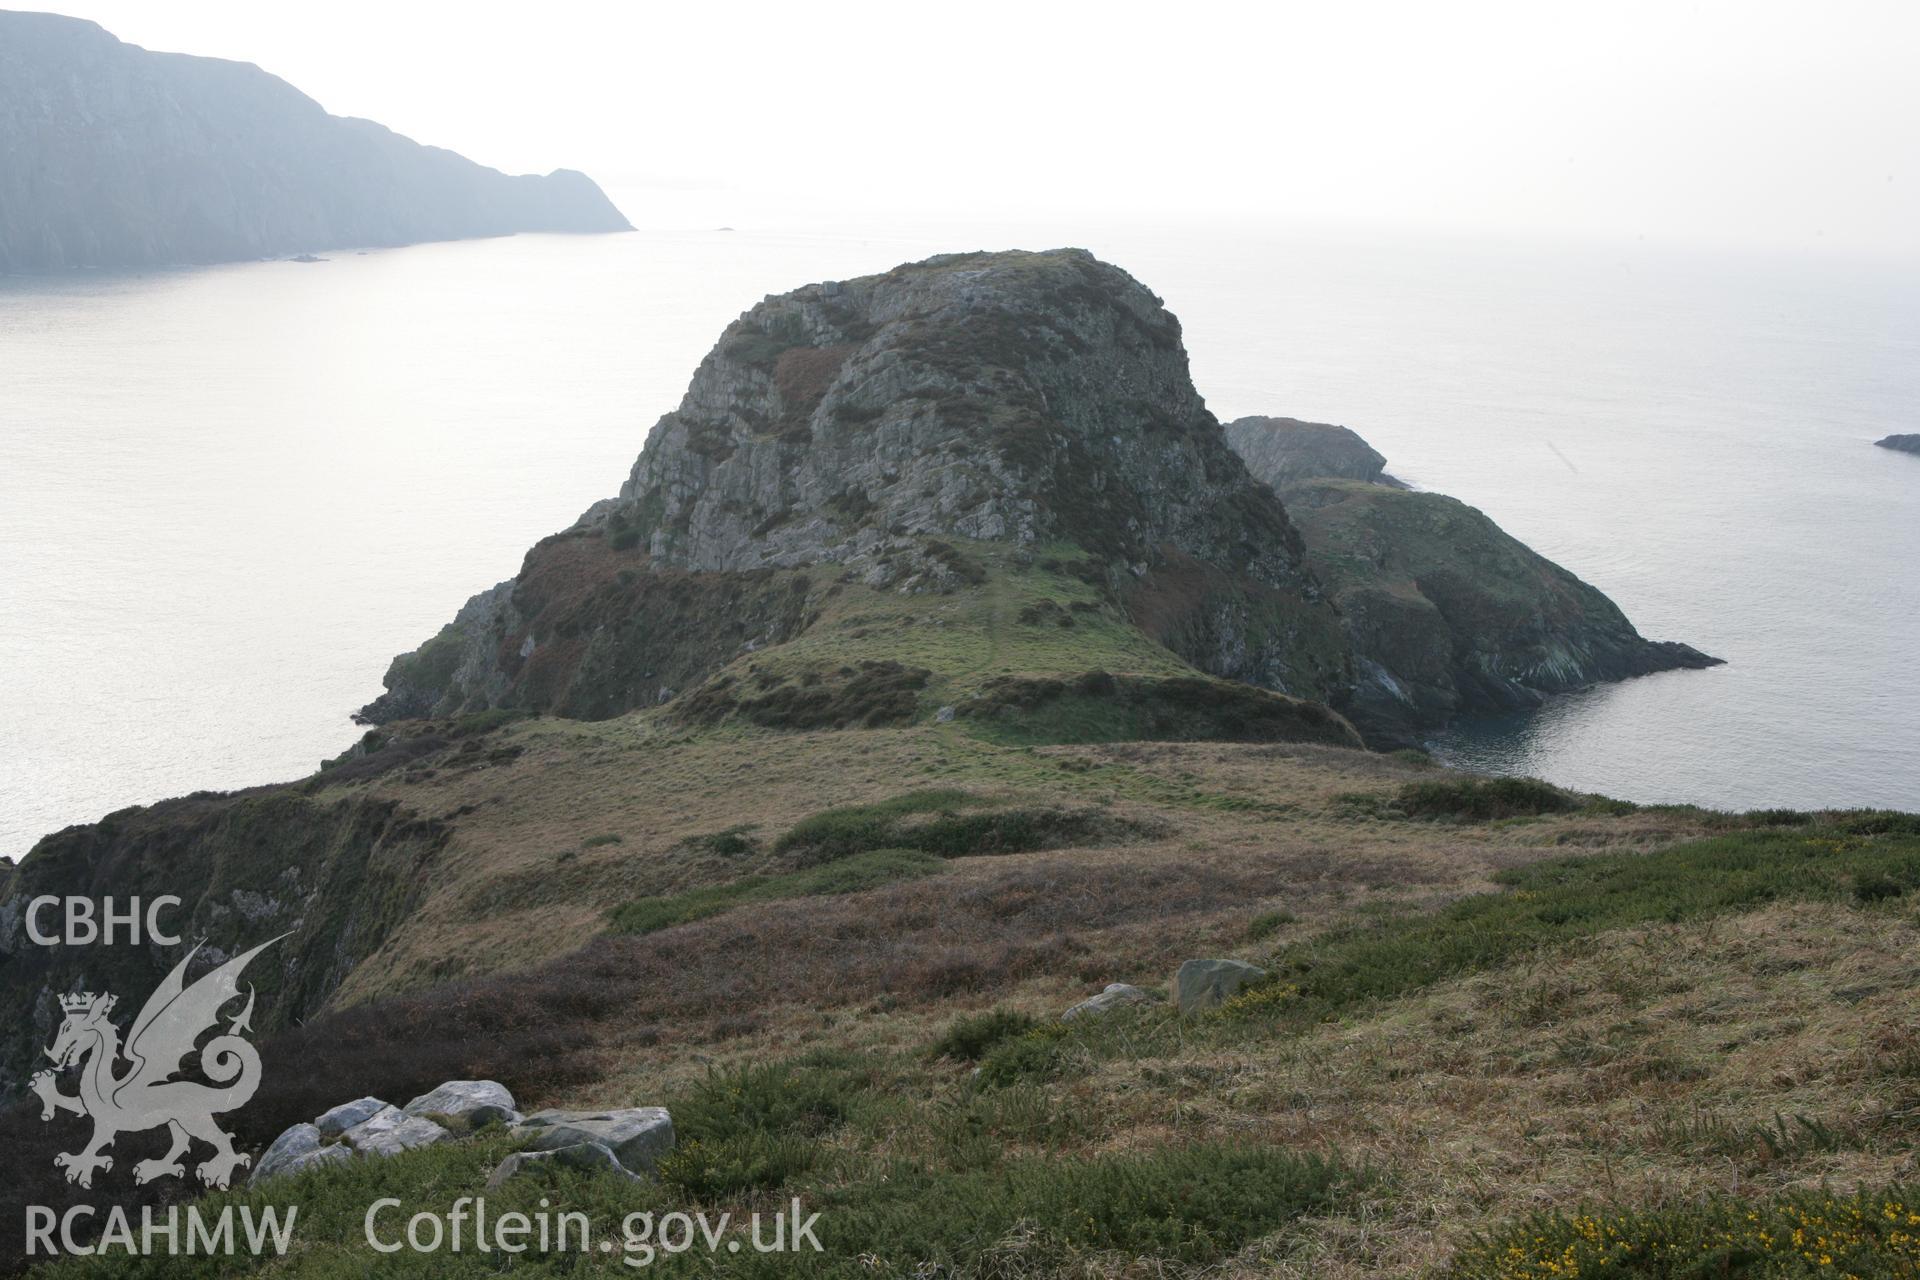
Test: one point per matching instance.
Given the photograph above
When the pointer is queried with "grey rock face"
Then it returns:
(389, 1132)
(1282, 451)
(1205, 984)
(1117, 995)
(475, 1101)
(301, 1140)
(593, 1157)
(117, 157)
(1019, 398)
(339, 1119)
(1901, 443)
(637, 1136)
(338, 1153)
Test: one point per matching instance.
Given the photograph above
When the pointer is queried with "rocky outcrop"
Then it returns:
(1285, 451)
(117, 157)
(866, 434)
(1900, 443)
(1446, 614)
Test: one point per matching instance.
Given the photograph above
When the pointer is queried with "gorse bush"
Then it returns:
(1036, 1056)
(849, 875)
(968, 1038)
(1184, 1205)
(933, 822)
(1483, 799)
(1869, 1236)
(755, 1128)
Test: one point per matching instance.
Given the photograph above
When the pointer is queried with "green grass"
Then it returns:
(855, 873)
(1871, 1236)
(932, 822)
(968, 1038)
(1484, 799)
(1549, 904)
(836, 833)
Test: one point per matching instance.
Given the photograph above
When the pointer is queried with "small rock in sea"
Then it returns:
(1901, 443)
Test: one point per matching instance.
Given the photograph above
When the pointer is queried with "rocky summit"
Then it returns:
(983, 423)
(118, 157)
(936, 430)
(1445, 613)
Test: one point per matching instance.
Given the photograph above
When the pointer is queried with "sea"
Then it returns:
(230, 495)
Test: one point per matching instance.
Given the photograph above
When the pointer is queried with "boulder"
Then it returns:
(593, 1157)
(1116, 995)
(337, 1153)
(1205, 984)
(301, 1140)
(637, 1136)
(389, 1132)
(348, 1114)
(474, 1101)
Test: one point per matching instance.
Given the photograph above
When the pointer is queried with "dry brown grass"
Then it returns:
(518, 883)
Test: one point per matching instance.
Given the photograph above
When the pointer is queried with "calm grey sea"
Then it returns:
(229, 496)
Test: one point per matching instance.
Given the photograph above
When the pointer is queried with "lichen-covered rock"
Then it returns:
(320, 1158)
(389, 1132)
(1205, 984)
(637, 1136)
(590, 1157)
(1117, 995)
(300, 1140)
(337, 1120)
(475, 1102)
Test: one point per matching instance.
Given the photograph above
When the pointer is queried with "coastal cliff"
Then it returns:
(118, 157)
(1447, 614)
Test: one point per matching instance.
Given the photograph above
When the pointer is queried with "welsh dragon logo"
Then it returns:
(145, 1095)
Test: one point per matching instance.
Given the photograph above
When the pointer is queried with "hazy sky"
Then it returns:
(1746, 122)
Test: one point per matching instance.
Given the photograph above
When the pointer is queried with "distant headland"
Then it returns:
(118, 157)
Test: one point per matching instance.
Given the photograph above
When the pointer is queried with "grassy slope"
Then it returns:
(1465, 1029)
(1417, 1091)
